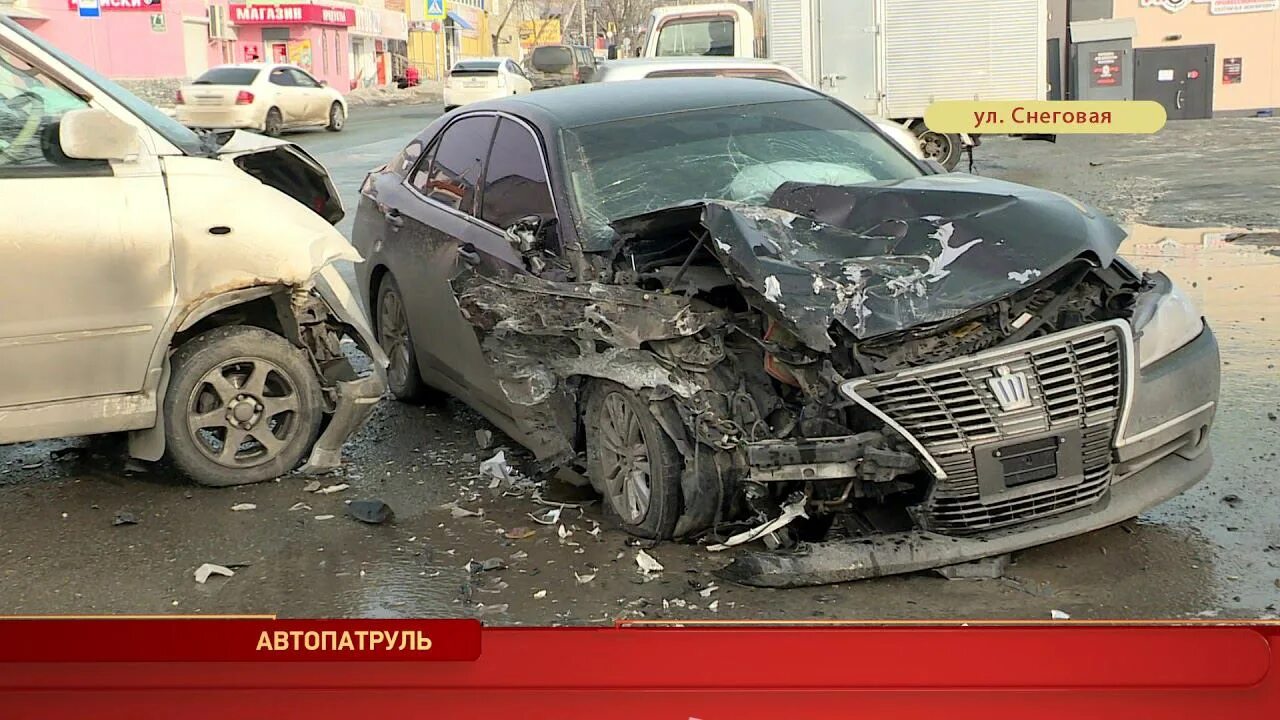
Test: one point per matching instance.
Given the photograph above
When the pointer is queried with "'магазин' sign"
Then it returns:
(291, 15)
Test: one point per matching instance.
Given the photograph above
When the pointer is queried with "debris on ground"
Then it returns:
(124, 518)
(540, 594)
(497, 469)
(648, 564)
(373, 512)
(484, 439)
(299, 506)
(1059, 615)
(550, 517)
(333, 489)
(714, 606)
(458, 511)
(474, 566)
(482, 609)
(989, 568)
(311, 487)
(324, 517)
(1231, 500)
(583, 579)
(706, 591)
(519, 533)
(204, 571)
(243, 506)
(790, 512)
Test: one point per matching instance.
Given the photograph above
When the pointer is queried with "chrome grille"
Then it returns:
(1075, 379)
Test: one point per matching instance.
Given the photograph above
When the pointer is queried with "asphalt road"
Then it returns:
(1213, 552)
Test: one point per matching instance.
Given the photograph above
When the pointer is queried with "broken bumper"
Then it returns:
(356, 398)
(895, 553)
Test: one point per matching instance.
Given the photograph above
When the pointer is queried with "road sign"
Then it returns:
(435, 10)
(88, 9)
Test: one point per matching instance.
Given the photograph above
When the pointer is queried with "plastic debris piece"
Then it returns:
(373, 512)
(648, 564)
(706, 591)
(312, 486)
(790, 512)
(540, 594)
(299, 506)
(484, 439)
(324, 517)
(1059, 615)
(519, 533)
(124, 518)
(583, 579)
(460, 512)
(714, 606)
(496, 468)
(243, 506)
(550, 517)
(333, 489)
(204, 571)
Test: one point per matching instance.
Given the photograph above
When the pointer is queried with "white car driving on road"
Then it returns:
(484, 79)
(257, 96)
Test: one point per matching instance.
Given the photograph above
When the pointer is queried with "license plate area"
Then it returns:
(1030, 465)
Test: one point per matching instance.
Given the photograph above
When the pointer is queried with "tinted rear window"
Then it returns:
(475, 68)
(228, 76)
(552, 59)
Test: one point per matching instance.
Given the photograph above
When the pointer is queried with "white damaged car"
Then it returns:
(177, 286)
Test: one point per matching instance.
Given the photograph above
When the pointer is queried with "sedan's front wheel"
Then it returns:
(631, 461)
(243, 406)
(337, 118)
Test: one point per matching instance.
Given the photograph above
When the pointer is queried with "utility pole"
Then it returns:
(582, 19)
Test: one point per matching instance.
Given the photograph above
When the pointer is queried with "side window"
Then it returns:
(282, 77)
(31, 105)
(515, 182)
(301, 79)
(454, 169)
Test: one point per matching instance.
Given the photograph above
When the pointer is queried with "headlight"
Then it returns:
(1175, 323)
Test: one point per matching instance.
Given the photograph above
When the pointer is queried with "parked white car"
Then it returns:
(257, 96)
(703, 66)
(479, 79)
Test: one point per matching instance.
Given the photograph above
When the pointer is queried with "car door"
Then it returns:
(316, 111)
(432, 238)
(521, 80)
(85, 247)
(290, 98)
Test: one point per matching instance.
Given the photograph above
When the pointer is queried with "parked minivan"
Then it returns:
(556, 65)
(176, 285)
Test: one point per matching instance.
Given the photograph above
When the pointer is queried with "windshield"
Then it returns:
(697, 36)
(183, 138)
(228, 76)
(551, 58)
(740, 153)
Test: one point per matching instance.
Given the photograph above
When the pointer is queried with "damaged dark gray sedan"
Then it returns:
(745, 314)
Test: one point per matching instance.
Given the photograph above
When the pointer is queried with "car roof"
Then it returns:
(494, 58)
(591, 103)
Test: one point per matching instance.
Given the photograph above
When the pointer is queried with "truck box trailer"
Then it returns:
(886, 58)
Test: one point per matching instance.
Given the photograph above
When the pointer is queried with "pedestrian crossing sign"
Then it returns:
(435, 10)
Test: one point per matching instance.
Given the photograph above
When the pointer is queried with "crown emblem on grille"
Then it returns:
(1010, 389)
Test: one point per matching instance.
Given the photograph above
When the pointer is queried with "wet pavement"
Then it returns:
(1213, 552)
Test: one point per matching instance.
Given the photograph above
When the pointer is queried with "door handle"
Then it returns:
(1178, 101)
(394, 218)
(469, 255)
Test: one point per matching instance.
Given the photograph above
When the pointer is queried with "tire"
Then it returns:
(337, 118)
(225, 383)
(273, 125)
(945, 148)
(621, 433)
(392, 328)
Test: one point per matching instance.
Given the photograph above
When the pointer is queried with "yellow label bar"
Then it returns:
(1099, 117)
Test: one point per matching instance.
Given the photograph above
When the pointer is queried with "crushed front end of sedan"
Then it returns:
(873, 378)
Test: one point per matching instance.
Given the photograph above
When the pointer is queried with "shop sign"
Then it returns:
(291, 15)
(1104, 68)
(473, 16)
(1217, 7)
(1232, 70)
(119, 5)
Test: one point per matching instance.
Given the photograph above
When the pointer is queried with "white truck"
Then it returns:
(887, 58)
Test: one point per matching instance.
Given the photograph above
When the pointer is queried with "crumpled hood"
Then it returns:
(884, 257)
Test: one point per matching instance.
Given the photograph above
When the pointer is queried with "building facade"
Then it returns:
(154, 46)
(435, 44)
(1198, 58)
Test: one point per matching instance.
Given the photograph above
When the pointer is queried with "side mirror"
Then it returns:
(323, 83)
(95, 134)
(935, 166)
